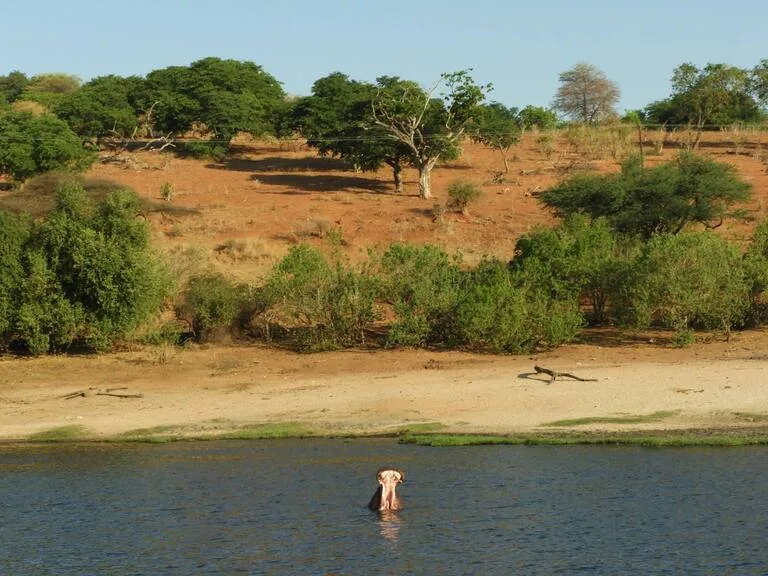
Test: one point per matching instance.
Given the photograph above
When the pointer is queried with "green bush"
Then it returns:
(37, 144)
(578, 258)
(322, 305)
(85, 274)
(503, 311)
(14, 235)
(422, 285)
(690, 280)
(45, 319)
(211, 302)
(462, 194)
(756, 268)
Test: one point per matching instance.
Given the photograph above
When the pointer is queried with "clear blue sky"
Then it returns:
(519, 46)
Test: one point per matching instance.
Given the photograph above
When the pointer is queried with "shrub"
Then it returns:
(45, 319)
(462, 194)
(167, 191)
(578, 258)
(87, 274)
(690, 280)
(756, 269)
(36, 144)
(503, 311)
(211, 302)
(323, 305)
(14, 234)
(422, 285)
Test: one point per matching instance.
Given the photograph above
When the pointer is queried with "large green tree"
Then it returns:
(336, 119)
(102, 106)
(430, 127)
(647, 201)
(537, 117)
(49, 89)
(224, 96)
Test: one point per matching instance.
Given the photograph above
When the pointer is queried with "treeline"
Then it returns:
(392, 121)
(85, 277)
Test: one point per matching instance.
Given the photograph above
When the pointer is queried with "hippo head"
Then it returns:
(386, 497)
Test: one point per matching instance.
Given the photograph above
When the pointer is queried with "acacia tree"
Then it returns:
(663, 199)
(336, 119)
(226, 96)
(102, 106)
(586, 94)
(758, 82)
(429, 127)
(498, 127)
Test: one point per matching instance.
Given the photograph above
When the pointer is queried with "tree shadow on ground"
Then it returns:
(308, 183)
(278, 164)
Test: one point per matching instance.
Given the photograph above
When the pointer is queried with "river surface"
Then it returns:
(298, 507)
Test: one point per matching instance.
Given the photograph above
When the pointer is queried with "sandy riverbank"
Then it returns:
(196, 391)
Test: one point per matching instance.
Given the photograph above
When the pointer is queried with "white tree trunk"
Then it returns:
(425, 177)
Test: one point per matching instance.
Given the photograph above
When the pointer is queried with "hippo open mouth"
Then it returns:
(386, 497)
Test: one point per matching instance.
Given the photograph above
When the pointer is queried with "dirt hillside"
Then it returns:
(246, 213)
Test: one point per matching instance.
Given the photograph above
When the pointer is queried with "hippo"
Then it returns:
(385, 497)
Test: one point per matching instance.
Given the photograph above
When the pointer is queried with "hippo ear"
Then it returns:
(402, 475)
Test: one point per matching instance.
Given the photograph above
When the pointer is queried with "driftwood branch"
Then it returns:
(554, 375)
(159, 144)
(101, 392)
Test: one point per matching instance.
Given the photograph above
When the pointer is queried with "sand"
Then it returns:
(210, 390)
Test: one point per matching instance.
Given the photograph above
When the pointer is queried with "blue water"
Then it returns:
(298, 507)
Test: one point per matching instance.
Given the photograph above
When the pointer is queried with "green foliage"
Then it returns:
(84, 274)
(756, 268)
(580, 258)
(645, 201)
(336, 119)
(422, 284)
(49, 89)
(36, 144)
(462, 193)
(225, 96)
(717, 94)
(12, 86)
(512, 312)
(537, 117)
(684, 281)
(14, 235)
(101, 106)
(205, 150)
(498, 127)
(431, 128)
(167, 191)
(212, 302)
(324, 305)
